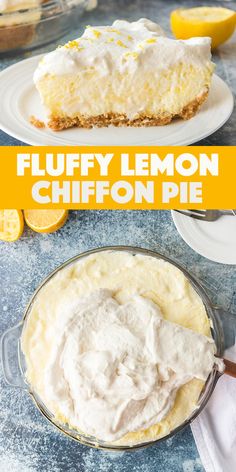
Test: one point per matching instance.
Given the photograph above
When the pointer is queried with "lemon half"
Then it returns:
(45, 221)
(11, 225)
(216, 22)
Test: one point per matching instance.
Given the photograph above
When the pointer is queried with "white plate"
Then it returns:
(215, 240)
(19, 100)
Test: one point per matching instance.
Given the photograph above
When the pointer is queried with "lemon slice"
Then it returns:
(11, 225)
(216, 22)
(45, 221)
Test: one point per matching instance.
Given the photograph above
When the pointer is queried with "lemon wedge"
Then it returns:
(11, 225)
(216, 22)
(45, 221)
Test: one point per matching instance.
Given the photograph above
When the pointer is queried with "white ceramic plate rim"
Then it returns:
(220, 254)
(24, 131)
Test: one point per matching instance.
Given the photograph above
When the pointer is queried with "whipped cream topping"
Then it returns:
(116, 367)
(124, 47)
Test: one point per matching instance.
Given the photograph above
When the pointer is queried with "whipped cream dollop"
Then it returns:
(116, 367)
(124, 47)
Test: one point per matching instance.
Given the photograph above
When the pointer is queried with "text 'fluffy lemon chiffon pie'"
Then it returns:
(119, 347)
(127, 74)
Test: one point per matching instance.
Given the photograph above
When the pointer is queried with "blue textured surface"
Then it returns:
(27, 442)
(156, 10)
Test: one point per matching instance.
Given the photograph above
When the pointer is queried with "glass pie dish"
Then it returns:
(25, 29)
(223, 328)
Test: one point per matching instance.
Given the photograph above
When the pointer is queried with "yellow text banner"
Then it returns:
(118, 177)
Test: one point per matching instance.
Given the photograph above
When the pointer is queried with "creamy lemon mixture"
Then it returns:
(119, 346)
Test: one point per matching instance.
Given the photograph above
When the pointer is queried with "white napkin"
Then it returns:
(214, 430)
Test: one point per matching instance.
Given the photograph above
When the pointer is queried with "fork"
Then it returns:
(207, 215)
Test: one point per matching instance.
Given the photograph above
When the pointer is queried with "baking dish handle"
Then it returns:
(227, 321)
(10, 355)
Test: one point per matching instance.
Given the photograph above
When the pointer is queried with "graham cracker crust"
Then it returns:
(115, 119)
(37, 123)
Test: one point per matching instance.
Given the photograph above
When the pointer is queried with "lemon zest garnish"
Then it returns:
(96, 33)
(73, 45)
(151, 40)
(119, 42)
(110, 40)
(132, 54)
(113, 30)
(130, 38)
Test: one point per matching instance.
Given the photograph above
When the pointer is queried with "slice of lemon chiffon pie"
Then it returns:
(127, 74)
